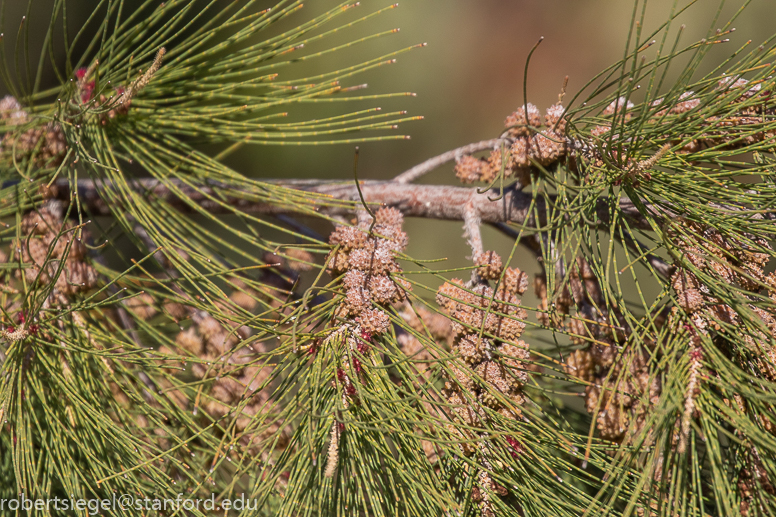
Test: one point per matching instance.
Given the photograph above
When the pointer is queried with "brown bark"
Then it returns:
(425, 201)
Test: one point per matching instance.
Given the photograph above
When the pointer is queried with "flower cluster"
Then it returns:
(118, 100)
(113, 104)
(51, 242)
(732, 131)
(526, 144)
(727, 262)
(486, 326)
(236, 375)
(46, 143)
(367, 263)
(619, 388)
(26, 327)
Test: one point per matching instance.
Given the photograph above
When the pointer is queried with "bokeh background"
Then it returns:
(467, 79)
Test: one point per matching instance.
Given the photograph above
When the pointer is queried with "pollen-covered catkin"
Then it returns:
(332, 458)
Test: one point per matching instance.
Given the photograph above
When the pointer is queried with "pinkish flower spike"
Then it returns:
(341, 375)
(363, 348)
(515, 445)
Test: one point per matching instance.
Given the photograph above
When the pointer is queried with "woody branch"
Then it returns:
(425, 201)
(441, 202)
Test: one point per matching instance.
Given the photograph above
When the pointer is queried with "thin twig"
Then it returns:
(429, 165)
(471, 224)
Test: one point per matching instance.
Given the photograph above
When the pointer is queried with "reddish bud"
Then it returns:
(363, 348)
(87, 91)
(357, 366)
(515, 445)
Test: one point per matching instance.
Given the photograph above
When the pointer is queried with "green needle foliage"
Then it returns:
(169, 328)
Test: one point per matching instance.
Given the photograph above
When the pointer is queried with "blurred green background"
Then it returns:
(467, 80)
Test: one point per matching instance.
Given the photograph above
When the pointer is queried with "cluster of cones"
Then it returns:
(728, 264)
(526, 144)
(619, 388)
(237, 375)
(50, 242)
(733, 263)
(46, 143)
(486, 325)
(367, 262)
(724, 132)
(364, 258)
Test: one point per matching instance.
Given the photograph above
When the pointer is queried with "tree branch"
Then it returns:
(424, 201)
